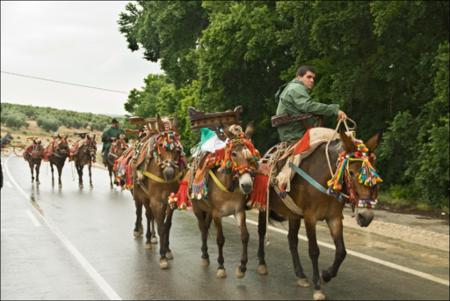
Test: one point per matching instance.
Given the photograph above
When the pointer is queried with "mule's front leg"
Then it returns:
(90, 175)
(262, 227)
(314, 253)
(168, 225)
(138, 228)
(294, 226)
(79, 169)
(53, 178)
(32, 171)
(159, 214)
(220, 242)
(336, 231)
(38, 166)
(240, 270)
(60, 167)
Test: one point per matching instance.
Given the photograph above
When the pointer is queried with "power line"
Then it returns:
(62, 82)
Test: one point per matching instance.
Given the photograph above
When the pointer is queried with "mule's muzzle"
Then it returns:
(168, 173)
(246, 183)
(365, 218)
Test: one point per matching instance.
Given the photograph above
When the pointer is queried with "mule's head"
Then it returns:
(90, 148)
(168, 150)
(62, 147)
(241, 156)
(360, 178)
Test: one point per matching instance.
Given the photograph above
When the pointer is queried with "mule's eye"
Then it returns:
(233, 154)
(352, 173)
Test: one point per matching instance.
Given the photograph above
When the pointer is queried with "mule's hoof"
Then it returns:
(205, 262)
(154, 240)
(239, 274)
(221, 274)
(169, 255)
(163, 264)
(262, 269)
(148, 246)
(137, 234)
(303, 282)
(60, 185)
(318, 295)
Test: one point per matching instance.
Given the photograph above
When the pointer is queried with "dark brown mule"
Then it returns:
(85, 156)
(227, 195)
(33, 155)
(154, 180)
(318, 206)
(57, 153)
(118, 146)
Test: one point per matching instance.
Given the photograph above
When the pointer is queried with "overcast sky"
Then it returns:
(71, 41)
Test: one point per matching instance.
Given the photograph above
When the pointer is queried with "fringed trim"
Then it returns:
(180, 199)
(258, 196)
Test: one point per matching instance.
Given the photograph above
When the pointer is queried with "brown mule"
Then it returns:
(57, 153)
(317, 206)
(154, 180)
(85, 155)
(34, 155)
(227, 188)
(118, 146)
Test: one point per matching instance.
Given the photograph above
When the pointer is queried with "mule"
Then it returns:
(57, 153)
(154, 180)
(33, 155)
(228, 186)
(118, 146)
(317, 206)
(85, 155)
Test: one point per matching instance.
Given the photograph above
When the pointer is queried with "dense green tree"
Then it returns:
(384, 62)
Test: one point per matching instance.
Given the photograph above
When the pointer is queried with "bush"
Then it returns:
(14, 120)
(49, 124)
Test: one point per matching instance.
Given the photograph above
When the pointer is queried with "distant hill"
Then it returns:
(17, 116)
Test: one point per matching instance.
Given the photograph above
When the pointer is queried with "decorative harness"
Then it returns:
(167, 140)
(224, 161)
(367, 175)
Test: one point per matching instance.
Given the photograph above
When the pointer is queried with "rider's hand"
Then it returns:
(342, 115)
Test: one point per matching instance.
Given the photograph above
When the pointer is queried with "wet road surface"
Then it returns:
(83, 248)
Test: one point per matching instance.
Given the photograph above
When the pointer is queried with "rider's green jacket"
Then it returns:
(108, 134)
(294, 100)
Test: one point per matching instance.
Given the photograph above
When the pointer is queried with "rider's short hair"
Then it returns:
(303, 69)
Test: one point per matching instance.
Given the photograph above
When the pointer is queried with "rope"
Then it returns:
(332, 137)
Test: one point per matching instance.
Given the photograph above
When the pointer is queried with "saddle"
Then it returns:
(274, 167)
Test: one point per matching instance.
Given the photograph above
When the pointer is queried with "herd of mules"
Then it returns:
(159, 169)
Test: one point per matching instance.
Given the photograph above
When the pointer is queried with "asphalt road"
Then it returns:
(77, 244)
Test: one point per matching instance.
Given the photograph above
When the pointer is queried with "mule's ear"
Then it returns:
(175, 124)
(249, 130)
(347, 142)
(160, 123)
(228, 133)
(373, 142)
(93, 137)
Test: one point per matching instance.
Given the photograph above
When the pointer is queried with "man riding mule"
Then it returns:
(220, 180)
(157, 166)
(33, 155)
(56, 153)
(108, 137)
(117, 147)
(291, 179)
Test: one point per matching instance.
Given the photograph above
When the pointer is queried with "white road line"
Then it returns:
(8, 184)
(367, 257)
(36, 223)
(99, 280)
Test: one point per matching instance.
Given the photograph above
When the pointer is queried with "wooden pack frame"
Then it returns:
(150, 123)
(213, 120)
